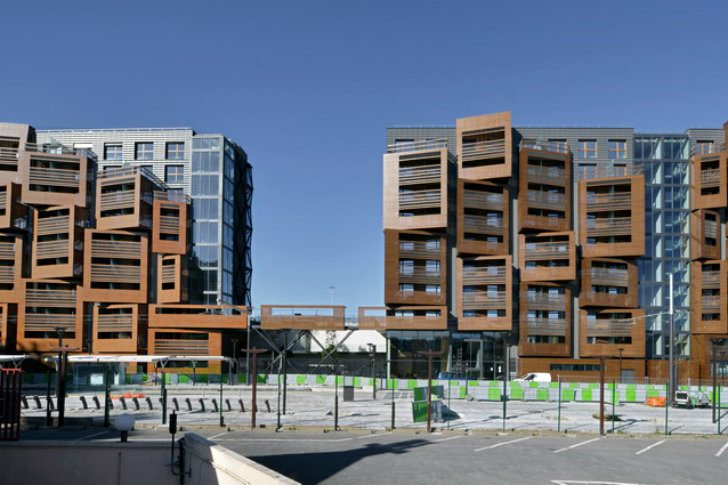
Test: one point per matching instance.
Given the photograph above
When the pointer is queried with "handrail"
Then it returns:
(412, 146)
(587, 173)
(419, 175)
(546, 146)
(541, 250)
(477, 149)
(172, 196)
(707, 149)
(608, 201)
(609, 225)
(550, 174)
(479, 199)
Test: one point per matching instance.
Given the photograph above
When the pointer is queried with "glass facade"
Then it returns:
(666, 166)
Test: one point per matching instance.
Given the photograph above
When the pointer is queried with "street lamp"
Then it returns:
(429, 354)
(253, 405)
(372, 357)
(620, 349)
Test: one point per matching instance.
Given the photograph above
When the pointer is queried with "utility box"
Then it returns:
(348, 393)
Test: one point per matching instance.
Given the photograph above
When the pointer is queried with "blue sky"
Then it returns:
(308, 89)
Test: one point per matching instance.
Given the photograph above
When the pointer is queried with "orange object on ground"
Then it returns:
(128, 396)
(139, 396)
(657, 402)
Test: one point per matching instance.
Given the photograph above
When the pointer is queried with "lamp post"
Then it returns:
(234, 361)
(429, 354)
(372, 357)
(671, 390)
(253, 405)
(62, 366)
(620, 349)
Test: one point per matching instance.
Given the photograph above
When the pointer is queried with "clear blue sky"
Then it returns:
(308, 89)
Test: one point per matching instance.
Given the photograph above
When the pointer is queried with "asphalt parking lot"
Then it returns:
(399, 457)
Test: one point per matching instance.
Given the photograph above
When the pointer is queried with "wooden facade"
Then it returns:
(547, 256)
(483, 226)
(705, 238)
(485, 146)
(485, 293)
(302, 317)
(545, 319)
(608, 283)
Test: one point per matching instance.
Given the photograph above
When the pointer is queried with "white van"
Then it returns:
(536, 377)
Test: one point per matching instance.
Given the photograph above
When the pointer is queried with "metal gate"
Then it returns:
(11, 390)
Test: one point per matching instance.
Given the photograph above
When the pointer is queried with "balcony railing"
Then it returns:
(546, 301)
(711, 304)
(545, 146)
(7, 250)
(609, 202)
(7, 274)
(420, 175)
(420, 275)
(56, 177)
(483, 225)
(116, 249)
(546, 326)
(547, 250)
(53, 225)
(483, 149)
(183, 347)
(710, 177)
(711, 279)
(419, 199)
(50, 298)
(604, 327)
(115, 322)
(419, 250)
(171, 196)
(546, 175)
(609, 226)
(706, 149)
(412, 146)
(169, 224)
(46, 322)
(710, 229)
(8, 156)
(482, 200)
(609, 277)
(3, 199)
(484, 275)
(169, 273)
(546, 200)
(486, 300)
(111, 273)
(52, 249)
(586, 173)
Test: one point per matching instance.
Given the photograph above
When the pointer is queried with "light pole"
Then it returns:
(671, 390)
(253, 405)
(620, 349)
(429, 354)
(372, 357)
(234, 361)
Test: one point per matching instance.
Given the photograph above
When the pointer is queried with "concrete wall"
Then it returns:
(131, 463)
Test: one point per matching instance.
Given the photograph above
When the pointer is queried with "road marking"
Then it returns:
(448, 438)
(504, 443)
(720, 452)
(589, 482)
(649, 447)
(90, 436)
(213, 437)
(373, 435)
(578, 444)
(340, 440)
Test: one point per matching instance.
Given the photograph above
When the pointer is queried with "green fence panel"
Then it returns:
(517, 393)
(494, 384)
(574, 385)
(242, 378)
(419, 393)
(419, 412)
(554, 385)
(494, 394)
(567, 394)
(653, 393)
(262, 378)
(542, 394)
(357, 381)
(632, 387)
(473, 383)
(533, 384)
(183, 379)
(586, 394)
(320, 380)
(631, 395)
(339, 380)
(411, 383)
(301, 380)
(463, 392)
(593, 385)
(514, 384)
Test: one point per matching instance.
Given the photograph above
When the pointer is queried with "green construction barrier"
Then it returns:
(517, 393)
(183, 379)
(632, 387)
(567, 394)
(242, 379)
(357, 381)
(473, 383)
(574, 385)
(420, 393)
(411, 383)
(586, 394)
(339, 380)
(653, 393)
(514, 384)
(494, 384)
(554, 385)
(533, 384)
(391, 383)
(419, 412)
(262, 378)
(301, 380)
(593, 385)
(631, 395)
(494, 394)
(321, 380)
(462, 392)
(542, 394)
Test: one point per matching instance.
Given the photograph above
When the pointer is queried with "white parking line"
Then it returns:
(504, 443)
(90, 436)
(578, 444)
(213, 437)
(649, 447)
(720, 452)
(448, 438)
(302, 440)
(373, 435)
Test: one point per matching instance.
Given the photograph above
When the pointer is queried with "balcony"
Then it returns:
(50, 298)
(612, 332)
(419, 250)
(55, 177)
(372, 318)
(546, 326)
(710, 178)
(413, 146)
(609, 277)
(420, 175)
(483, 200)
(121, 199)
(710, 229)
(169, 225)
(488, 275)
(49, 322)
(420, 275)
(304, 317)
(481, 150)
(9, 158)
(608, 327)
(608, 202)
(52, 225)
(101, 248)
(609, 226)
(545, 146)
(421, 199)
(711, 279)
(181, 347)
(417, 318)
(180, 315)
(545, 301)
(52, 249)
(7, 250)
(546, 175)
(483, 300)
(114, 273)
(546, 200)
(547, 250)
(711, 304)
(482, 225)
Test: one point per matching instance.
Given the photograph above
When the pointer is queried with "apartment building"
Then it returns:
(551, 247)
(105, 254)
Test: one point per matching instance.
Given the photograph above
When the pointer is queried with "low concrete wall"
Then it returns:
(81, 463)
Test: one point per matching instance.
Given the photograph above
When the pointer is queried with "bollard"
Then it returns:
(83, 402)
(267, 405)
(558, 425)
(189, 404)
(392, 414)
(149, 403)
(336, 413)
(136, 403)
(25, 403)
(202, 405)
(229, 407)
(242, 406)
(122, 400)
(37, 402)
(97, 402)
(50, 405)
(214, 405)
(175, 404)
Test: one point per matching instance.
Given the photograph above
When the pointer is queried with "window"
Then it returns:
(174, 174)
(703, 146)
(175, 150)
(587, 148)
(112, 152)
(144, 151)
(617, 149)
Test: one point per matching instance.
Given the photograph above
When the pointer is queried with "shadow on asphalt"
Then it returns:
(314, 468)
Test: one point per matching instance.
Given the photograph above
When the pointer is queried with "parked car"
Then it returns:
(536, 377)
(691, 399)
(452, 376)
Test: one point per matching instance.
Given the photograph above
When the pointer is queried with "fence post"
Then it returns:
(558, 419)
(667, 407)
(614, 398)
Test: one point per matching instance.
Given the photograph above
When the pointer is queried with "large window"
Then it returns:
(175, 150)
(587, 148)
(174, 174)
(617, 149)
(144, 151)
(112, 152)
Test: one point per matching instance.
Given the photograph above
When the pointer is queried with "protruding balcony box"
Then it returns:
(417, 318)
(302, 317)
(484, 293)
(417, 185)
(372, 317)
(172, 277)
(44, 307)
(218, 317)
(173, 341)
(415, 271)
(544, 186)
(545, 320)
(705, 240)
(170, 222)
(58, 242)
(485, 146)
(13, 138)
(124, 199)
(119, 328)
(612, 332)
(608, 283)
(52, 179)
(547, 256)
(612, 216)
(482, 218)
(116, 267)
(708, 186)
(14, 215)
(11, 267)
(8, 327)
(709, 280)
